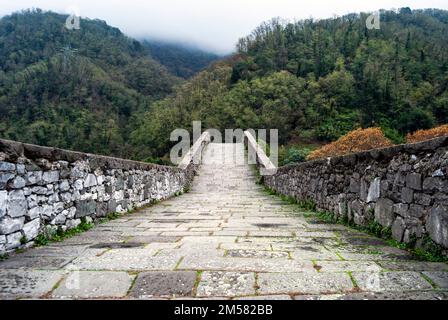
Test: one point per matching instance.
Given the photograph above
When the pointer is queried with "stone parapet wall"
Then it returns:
(403, 187)
(45, 188)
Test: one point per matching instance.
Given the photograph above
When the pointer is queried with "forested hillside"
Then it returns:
(180, 60)
(96, 90)
(75, 89)
(317, 80)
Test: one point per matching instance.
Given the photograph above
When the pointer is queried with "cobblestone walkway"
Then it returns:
(226, 238)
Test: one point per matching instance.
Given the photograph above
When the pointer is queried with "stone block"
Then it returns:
(31, 229)
(18, 183)
(90, 181)
(401, 209)
(226, 284)
(164, 284)
(437, 224)
(398, 228)
(414, 181)
(5, 178)
(416, 211)
(7, 166)
(94, 285)
(354, 185)
(391, 281)
(374, 190)
(407, 195)
(9, 225)
(303, 283)
(384, 212)
(13, 240)
(34, 213)
(50, 177)
(64, 186)
(435, 184)
(440, 278)
(3, 202)
(16, 284)
(85, 208)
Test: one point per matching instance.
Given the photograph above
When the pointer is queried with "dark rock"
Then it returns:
(85, 208)
(407, 195)
(437, 225)
(384, 212)
(398, 228)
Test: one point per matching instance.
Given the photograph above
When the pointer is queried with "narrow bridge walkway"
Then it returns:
(226, 238)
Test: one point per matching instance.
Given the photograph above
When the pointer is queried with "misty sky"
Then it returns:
(215, 25)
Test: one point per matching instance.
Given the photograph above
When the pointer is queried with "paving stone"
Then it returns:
(196, 253)
(154, 239)
(364, 241)
(246, 264)
(129, 260)
(373, 257)
(94, 284)
(305, 282)
(245, 246)
(314, 234)
(257, 254)
(208, 239)
(173, 240)
(231, 233)
(313, 253)
(35, 262)
(270, 234)
(16, 284)
(185, 233)
(57, 251)
(163, 284)
(227, 284)
(344, 266)
(391, 281)
(439, 278)
(413, 266)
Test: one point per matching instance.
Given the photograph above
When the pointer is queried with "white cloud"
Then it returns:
(212, 24)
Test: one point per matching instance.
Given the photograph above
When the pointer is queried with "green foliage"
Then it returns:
(430, 250)
(293, 155)
(96, 90)
(23, 240)
(317, 80)
(78, 89)
(306, 204)
(59, 235)
(41, 240)
(113, 216)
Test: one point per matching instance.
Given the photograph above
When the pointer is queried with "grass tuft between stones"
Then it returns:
(60, 235)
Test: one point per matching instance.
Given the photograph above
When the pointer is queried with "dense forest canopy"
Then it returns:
(97, 90)
(317, 80)
(76, 89)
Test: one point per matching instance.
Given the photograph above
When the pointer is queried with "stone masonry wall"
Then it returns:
(403, 187)
(46, 188)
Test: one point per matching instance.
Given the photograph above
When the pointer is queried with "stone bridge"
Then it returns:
(226, 238)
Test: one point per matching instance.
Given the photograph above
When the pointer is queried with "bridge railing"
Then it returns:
(257, 155)
(194, 156)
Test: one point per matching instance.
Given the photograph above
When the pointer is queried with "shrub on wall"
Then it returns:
(423, 135)
(355, 141)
